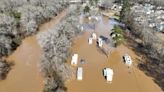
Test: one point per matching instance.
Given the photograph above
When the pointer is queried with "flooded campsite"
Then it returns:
(124, 79)
(78, 46)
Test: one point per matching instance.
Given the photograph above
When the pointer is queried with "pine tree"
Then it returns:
(125, 11)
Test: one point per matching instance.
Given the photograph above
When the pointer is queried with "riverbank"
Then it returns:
(25, 75)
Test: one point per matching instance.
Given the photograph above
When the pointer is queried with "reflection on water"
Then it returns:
(103, 24)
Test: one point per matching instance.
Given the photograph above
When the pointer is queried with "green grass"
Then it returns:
(119, 38)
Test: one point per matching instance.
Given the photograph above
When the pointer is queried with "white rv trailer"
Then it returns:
(79, 73)
(100, 42)
(74, 59)
(127, 59)
(108, 74)
(90, 41)
(94, 36)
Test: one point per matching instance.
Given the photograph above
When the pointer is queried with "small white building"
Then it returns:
(90, 41)
(74, 59)
(94, 36)
(108, 74)
(79, 73)
(128, 60)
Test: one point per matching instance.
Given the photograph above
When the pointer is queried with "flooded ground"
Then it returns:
(124, 80)
(25, 75)
(161, 36)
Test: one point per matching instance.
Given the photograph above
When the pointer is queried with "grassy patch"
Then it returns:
(119, 35)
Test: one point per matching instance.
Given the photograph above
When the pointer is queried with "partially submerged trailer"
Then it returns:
(74, 59)
(79, 73)
(90, 41)
(127, 60)
(108, 74)
(100, 42)
(94, 36)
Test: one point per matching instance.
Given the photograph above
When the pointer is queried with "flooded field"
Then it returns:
(124, 80)
(25, 75)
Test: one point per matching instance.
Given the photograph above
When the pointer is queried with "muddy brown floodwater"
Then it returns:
(161, 36)
(25, 75)
(124, 79)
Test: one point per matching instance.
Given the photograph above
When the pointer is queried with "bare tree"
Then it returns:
(56, 44)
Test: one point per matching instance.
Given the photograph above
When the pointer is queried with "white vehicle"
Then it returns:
(74, 59)
(93, 18)
(94, 36)
(100, 42)
(90, 41)
(127, 59)
(79, 73)
(108, 74)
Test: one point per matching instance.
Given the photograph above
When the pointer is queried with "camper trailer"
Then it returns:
(100, 42)
(94, 36)
(90, 41)
(74, 59)
(108, 74)
(93, 18)
(127, 60)
(79, 73)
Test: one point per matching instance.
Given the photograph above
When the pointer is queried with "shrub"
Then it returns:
(86, 9)
(119, 38)
(15, 14)
(4, 69)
